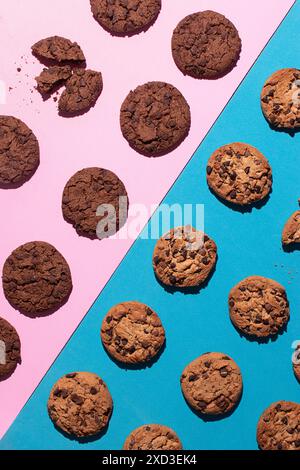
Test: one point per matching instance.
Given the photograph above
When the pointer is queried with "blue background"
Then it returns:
(248, 243)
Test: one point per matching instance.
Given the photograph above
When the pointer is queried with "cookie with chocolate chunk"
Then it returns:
(212, 384)
(153, 437)
(10, 349)
(80, 404)
(52, 77)
(259, 307)
(132, 333)
(58, 50)
(184, 257)
(291, 231)
(155, 119)
(280, 99)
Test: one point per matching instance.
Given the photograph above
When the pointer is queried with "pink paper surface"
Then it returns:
(33, 212)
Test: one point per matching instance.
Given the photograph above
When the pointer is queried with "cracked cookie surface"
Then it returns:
(10, 349)
(132, 333)
(82, 91)
(291, 231)
(239, 173)
(51, 77)
(280, 99)
(259, 307)
(36, 278)
(184, 257)
(155, 118)
(279, 427)
(19, 152)
(212, 384)
(152, 437)
(80, 404)
(58, 49)
(85, 192)
(206, 45)
(125, 17)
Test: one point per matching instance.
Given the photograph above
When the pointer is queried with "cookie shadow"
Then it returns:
(82, 440)
(51, 62)
(291, 247)
(264, 340)
(21, 183)
(243, 209)
(283, 130)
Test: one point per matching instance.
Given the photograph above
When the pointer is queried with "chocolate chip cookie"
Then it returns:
(280, 99)
(296, 362)
(80, 404)
(36, 279)
(259, 307)
(152, 437)
(10, 349)
(82, 91)
(240, 174)
(155, 118)
(132, 333)
(206, 45)
(52, 77)
(95, 202)
(125, 17)
(212, 384)
(19, 152)
(184, 257)
(58, 49)
(291, 231)
(279, 427)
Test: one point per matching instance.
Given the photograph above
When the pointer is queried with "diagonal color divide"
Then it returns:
(33, 211)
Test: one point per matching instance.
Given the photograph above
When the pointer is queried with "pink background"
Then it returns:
(33, 211)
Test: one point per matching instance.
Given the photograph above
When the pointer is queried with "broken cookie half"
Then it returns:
(291, 231)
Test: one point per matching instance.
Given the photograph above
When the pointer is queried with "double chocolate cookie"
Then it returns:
(155, 118)
(206, 45)
(58, 49)
(239, 174)
(95, 202)
(212, 384)
(291, 231)
(125, 17)
(259, 307)
(184, 257)
(279, 427)
(152, 437)
(51, 78)
(10, 349)
(132, 333)
(19, 152)
(36, 279)
(80, 404)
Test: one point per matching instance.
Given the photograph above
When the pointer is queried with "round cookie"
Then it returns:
(19, 152)
(85, 192)
(125, 17)
(280, 99)
(155, 118)
(132, 333)
(206, 45)
(291, 231)
(259, 307)
(240, 174)
(83, 89)
(279, 427)
(296, 362)
(80, 404)
(10, 349)
(184, 257)
(212, 384)
(36, 279)
(152, 437)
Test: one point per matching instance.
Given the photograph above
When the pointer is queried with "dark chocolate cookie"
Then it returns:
(81, 93)
(10, 349)
(36, 279)
(153, 437)
(259, 307)
(240, 174)
(280, 99)
(184, 257)
(85, 192)
(19, 152)
(58, 49)
(291, 231)
(132, 333)
(155, 118)
(125, 17)
(52, 77)
(212, 384)
(279, 427)
(80, 404)
(206, 45)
